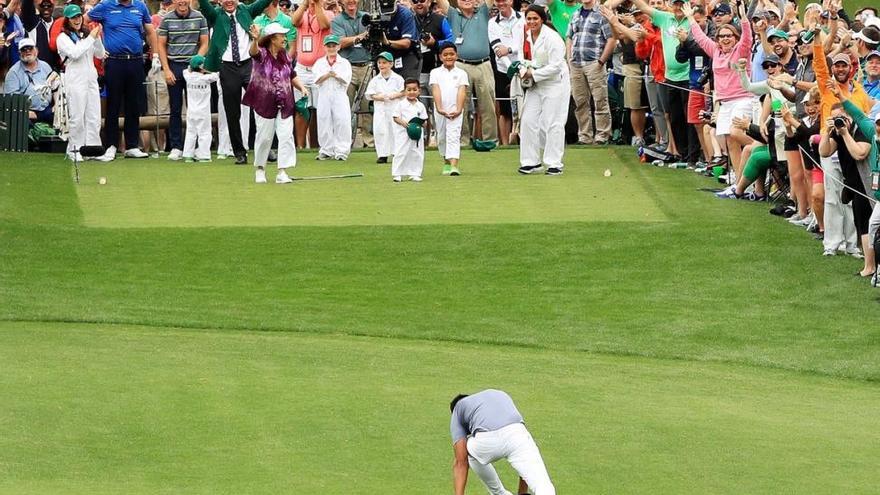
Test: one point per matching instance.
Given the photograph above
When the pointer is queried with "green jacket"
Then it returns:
(219, 22)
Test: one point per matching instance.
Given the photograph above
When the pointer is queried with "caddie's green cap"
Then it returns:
(72, 11)
(302, 107)
(331, 39)
(480, 145)
(387, 56)
(414, 129)
(196, 62)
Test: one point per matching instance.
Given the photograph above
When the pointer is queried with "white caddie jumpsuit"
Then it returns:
(383, 124)
(409, 155)
(545, 107)
(81, 86)
(198, 113)
(334, 111)
(449, 81)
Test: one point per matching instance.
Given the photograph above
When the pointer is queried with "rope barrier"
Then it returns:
(808, 155)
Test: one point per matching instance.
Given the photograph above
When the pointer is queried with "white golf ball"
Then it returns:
(102, 180)
(607, 172)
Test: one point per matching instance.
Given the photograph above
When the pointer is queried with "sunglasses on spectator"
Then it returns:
(719, 14)
(418, 1)
(726, 35)
(768, 65)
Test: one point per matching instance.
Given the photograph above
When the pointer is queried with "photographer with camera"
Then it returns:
(352, 32)
(838, 216)
(400, 36)
(852, 147)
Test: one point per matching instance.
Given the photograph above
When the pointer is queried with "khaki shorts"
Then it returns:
(634, 95)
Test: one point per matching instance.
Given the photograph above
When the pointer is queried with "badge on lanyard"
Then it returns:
(398, 63)
(307, 44)
(459, 40)
(875, 181)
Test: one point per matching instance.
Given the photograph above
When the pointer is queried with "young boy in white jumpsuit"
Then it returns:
(449, 88)
(81, 82)
(385, 91)
(545, 109)
(409, 154)
(198, 110)
(332, 77)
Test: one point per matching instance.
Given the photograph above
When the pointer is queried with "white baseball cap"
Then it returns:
(274, 28)
(26, 42)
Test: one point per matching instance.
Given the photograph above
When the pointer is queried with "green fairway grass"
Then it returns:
(146, 410)
(151, 194)
(182, 329)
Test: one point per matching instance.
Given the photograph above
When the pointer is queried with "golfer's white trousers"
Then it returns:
(83, 109)
(514, 443)
(383, 131)
(266, 128)
(542, 126)
(840, 231)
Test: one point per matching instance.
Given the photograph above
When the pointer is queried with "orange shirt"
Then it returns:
(310, 37)
(856, 95)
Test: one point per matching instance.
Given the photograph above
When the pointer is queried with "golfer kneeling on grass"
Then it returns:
(487, 427)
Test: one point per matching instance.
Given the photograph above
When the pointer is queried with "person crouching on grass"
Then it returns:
(198, 110)
(410, 116)
(332, 76)
(385, 91)
(449, 88)
(270, 94)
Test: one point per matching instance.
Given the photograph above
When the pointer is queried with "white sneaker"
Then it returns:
(108, 155)
(281, 178)
(397, 178)
(74, 156)
(802, 222)
(260, 176)
(135, 153)
(415, 178)
(221, 156)
(175, 155)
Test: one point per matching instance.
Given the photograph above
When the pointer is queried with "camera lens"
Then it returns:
(839, 122)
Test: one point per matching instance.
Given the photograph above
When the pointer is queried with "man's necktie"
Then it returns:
(233, 39)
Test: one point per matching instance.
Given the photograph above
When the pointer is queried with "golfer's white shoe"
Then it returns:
(397, 178)
(260, 176)
(135, 153)
(175, 155)
(415, 178)
(281, 178)
(108, 155)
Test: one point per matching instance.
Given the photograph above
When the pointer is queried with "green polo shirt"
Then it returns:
(281, 18)
(668, 25)
(561, 14)
(346, 26)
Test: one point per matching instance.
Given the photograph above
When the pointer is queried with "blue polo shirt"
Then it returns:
(402, 25)
(123, 25)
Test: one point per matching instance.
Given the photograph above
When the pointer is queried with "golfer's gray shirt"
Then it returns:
(488, 410)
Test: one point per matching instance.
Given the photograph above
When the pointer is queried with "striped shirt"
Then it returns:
(183, 34)
(588, 32)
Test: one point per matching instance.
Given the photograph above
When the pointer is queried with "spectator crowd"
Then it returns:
(769, 96)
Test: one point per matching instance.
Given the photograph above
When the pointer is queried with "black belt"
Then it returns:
(125, 56)
(237, 64)
(359, 64)
(473, 62)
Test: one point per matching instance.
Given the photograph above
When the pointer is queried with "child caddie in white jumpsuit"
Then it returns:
(332, 77)
(545, 108)
(409, 153)
(385, 90)
(198, 110)
(449, 87)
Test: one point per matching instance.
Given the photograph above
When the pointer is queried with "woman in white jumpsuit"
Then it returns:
(77, 48)
(545, 108)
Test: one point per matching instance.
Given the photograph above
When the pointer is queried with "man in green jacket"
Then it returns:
(228, 54)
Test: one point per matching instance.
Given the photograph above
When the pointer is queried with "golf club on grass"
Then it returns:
(322, 177)
(86, 152)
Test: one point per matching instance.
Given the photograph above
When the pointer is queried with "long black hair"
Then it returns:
(542, 13)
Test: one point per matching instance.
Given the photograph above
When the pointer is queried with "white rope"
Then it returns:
(808, 155)
(646, 77)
